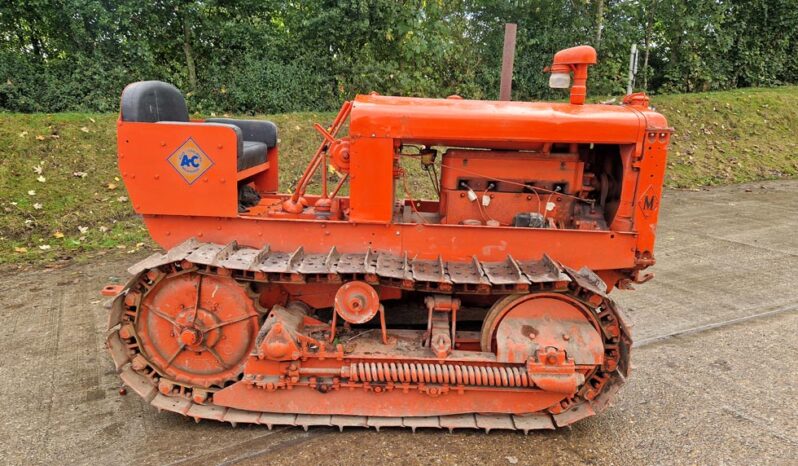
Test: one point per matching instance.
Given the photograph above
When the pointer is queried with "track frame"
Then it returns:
(552, 411)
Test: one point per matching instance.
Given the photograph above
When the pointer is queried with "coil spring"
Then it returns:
(455, 374)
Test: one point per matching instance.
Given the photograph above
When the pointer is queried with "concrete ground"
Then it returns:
(714, 382)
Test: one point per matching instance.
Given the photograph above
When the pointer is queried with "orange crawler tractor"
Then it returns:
(484, 308)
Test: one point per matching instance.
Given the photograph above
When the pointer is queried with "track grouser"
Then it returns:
(364, 305)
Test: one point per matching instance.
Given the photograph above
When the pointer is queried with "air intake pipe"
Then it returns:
(574, 60)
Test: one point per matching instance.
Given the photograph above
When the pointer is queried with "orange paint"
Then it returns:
(568, 190)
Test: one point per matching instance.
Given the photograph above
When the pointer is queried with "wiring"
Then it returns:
(483, 210)
(546, 207)
(437, 180)
(410, 198)
(524, 185)
(433, 179)
(540, 201)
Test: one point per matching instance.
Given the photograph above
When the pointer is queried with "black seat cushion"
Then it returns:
(157, 101)
(253, 130)
(252, 153)
(151, 101)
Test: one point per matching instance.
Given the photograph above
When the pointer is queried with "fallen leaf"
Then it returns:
(103, 228)
(38, 169)
(23, 134)
(58, 234)
(41, 179)
(92, 120)
(83, 230)
(40, 138)
(111, 186)
(45, 247)
(31, 192)
(84, 129)
(37, 206)
(121, 198)
(80, 174)
(18, 249)
(512, 459)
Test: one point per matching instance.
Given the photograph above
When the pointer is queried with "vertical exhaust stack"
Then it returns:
(508, 57)
(574, 60)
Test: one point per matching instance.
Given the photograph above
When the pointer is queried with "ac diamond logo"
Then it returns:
(190, 161)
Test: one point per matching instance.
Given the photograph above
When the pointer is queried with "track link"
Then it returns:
(595, 395)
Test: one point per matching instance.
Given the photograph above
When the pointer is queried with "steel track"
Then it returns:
(247, 262)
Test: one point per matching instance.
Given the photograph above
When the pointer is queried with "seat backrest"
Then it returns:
(151, 101)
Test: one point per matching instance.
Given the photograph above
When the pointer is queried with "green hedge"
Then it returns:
(252, 56)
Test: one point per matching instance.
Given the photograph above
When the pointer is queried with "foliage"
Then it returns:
(252, 56)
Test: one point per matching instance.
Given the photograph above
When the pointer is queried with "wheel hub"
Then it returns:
(357, 302)
(190, 336)
(197, 329)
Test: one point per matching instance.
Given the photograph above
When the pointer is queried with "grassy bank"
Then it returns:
(61, 197)
(60, 192)
(731, 137)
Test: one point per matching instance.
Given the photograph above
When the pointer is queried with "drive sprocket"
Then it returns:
(197, 329)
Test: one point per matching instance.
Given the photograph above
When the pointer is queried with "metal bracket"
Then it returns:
(554, 371)
(441, 324)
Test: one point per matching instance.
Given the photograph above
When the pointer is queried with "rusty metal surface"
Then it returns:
(412, 274)
(143, 386)
(239, 258)
(547, 321)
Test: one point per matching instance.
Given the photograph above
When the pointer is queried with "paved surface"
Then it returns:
(712, 384)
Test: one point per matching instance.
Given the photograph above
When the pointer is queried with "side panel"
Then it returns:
(179, 169)
(371, 180)
(649, 189)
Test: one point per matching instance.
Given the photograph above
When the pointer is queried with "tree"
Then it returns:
(278, 55)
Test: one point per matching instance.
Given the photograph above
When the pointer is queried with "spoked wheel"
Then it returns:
(197, 329)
